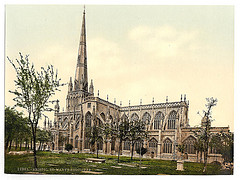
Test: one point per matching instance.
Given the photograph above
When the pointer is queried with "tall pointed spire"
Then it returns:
(81, 76)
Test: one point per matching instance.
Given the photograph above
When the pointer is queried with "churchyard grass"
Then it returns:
(51, 163)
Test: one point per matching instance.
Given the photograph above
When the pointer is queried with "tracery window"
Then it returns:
(153, 143)
(134, 117)
(189, 145)
(88, 119)
(111, 118)
(100, 144)
(158, 120)
(172, 120)
(146, 118)
(126, 145)
(124, 117)
(138, 144)
(76, 141)
(100, 124)
(167, 146)
(86, 144)
(103, 116)
(113, 144)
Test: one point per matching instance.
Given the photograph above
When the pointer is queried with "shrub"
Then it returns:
(68, 147)
(143, 151)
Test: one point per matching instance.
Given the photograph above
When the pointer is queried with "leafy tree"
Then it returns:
(198, 146)
(136, 131)
(120, 131)
(68, 147)
(181, 149)
(227, 147)
(94, 134)
(16, 128)
(43, 136)
(33, 90)
(141, 151)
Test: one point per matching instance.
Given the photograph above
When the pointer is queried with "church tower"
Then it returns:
(81, 76)
(78, 89)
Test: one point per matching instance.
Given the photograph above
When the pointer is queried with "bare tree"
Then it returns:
(204, 133)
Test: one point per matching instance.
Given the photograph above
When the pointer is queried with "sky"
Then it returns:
(134, 52)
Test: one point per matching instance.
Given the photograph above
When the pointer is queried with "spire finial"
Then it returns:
(84, 9)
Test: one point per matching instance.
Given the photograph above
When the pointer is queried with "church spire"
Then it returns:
(81, 77)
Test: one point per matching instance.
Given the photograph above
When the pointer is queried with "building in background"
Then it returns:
(167, 122)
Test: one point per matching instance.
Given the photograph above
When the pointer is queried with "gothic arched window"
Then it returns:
(153, 143)
(113, 144)
(138, 144)
(126, 145)
(158, 120)
(189, 145)
(88, 119)
(103, 116)
(86, 144)
(100, 144)
(76, 141)
(146, 118)
(134, 117)
(100, 124)
(167, 146)
(124, 117)
(172, 120)
(111, 118)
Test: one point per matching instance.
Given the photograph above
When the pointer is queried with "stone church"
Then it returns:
(167, 122)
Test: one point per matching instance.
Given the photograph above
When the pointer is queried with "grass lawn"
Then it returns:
(50, 163)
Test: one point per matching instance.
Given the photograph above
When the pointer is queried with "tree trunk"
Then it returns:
(132, 151)
(39, 147)
(10, 146)
(200, 156)
(119, 149)
(97, 150)
(7, 143)
(197, 155)
(20, 145)
(16, 144)
(31, 144)
(205, 159)
(34, 144)
(26, 143)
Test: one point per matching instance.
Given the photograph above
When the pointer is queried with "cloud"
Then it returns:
(164, 41)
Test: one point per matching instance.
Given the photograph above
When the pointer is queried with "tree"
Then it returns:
(16, 128)
(227, 146)
(141, 151)
(136, 131)
(120, 131)
(43, 136)
(33, 91)
(94, 134)
(181, 148)
(204, 132)
(198, 146)
(68, 147)
(215, 143)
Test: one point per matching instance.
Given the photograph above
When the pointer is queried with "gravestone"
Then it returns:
(180, 165)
